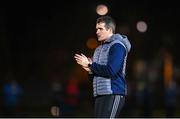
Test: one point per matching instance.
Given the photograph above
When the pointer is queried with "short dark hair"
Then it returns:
(109, 22)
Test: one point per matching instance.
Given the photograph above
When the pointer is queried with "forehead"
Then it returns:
(100, 25)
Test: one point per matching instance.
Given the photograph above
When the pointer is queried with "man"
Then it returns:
(107, 68)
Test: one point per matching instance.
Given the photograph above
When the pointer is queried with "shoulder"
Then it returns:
(117, 48)
(117, 43)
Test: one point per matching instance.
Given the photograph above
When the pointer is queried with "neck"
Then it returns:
(109, 36)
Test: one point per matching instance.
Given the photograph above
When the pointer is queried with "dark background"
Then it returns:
(38, 40)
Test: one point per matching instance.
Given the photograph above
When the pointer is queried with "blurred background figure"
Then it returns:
(57, 96)
(171, 100)
(72, 93)
(170, 86)
(11, 93)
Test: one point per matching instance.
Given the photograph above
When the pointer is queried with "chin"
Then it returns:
(100, 39)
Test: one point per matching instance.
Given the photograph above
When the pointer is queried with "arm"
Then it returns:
(116, 57)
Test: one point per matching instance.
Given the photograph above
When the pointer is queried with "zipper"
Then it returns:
(98, 62)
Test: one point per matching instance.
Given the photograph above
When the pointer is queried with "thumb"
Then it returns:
(90, 60)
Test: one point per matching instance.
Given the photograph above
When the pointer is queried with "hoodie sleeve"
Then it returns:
(117, 53)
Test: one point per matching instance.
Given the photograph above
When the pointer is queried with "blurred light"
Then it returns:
(141, 26)
(91, 43)
(101, 9)
(55, 111)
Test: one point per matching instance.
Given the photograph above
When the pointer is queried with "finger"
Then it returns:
(89, 59)
(83, 55)
(78, 60)
(77, 55)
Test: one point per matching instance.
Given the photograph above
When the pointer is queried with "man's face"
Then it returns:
(102, 33)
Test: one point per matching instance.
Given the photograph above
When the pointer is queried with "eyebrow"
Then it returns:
(99, 28)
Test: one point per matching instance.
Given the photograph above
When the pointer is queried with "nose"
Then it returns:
(97, 31)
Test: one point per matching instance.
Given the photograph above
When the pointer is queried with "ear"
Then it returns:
(110, 30)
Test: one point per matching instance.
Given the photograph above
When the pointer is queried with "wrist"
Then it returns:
(90, 72)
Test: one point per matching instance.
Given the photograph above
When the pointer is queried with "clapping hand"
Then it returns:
(83, 61)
